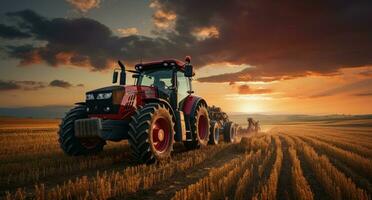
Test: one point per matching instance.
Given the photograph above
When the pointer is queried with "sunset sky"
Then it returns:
(277, 57)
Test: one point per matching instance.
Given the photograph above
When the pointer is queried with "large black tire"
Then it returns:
(67, 140)
(199, 128)
(214, 133)
(229, 132)
(151, 134)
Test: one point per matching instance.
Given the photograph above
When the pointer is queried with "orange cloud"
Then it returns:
(366, 73)
(31, 57)
(84, 5)
(162, 18)
(246, 89)
(204, 33)
(127, 31)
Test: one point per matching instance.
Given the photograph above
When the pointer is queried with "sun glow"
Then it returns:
(252, 107)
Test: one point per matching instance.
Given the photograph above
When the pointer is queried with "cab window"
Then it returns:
(183, 86)
(160, 78)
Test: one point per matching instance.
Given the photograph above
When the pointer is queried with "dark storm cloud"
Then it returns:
(250, 75)
(60, 83)
(81, 42)
(283, 40)
(21, 85)
(8, 85)
(10, 32)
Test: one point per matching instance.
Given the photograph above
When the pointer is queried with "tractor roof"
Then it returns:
(164, 63)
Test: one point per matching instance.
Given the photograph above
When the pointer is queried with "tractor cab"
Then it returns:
(169, 77)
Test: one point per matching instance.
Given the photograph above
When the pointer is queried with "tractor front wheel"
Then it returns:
(151, 133)
(75, 146)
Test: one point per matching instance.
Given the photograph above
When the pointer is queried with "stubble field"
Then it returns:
(314, 160)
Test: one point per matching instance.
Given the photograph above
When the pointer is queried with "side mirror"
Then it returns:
(189, 70)
(115, 77)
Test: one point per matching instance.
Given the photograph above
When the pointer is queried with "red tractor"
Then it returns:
(158, 110)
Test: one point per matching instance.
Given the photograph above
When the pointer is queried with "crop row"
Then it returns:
(353, 160)
(301, 188)
(19, 173)
(233, 178)
(337, 185)
(268, 190)
(115, 184)
(358, 149)
(339, 135)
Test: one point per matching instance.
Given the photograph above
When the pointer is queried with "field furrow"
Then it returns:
(301, 188)
(268, 190)
(363, 151)
(356, 162)
(284, 183)
(335, 182)
(221, 181)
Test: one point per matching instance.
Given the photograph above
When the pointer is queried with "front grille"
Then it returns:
(130, 102)
(102, 107)
(85, 128)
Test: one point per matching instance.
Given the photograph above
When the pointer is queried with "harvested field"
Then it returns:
(319, 160)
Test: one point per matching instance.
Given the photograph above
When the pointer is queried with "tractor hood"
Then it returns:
(109, 88)
(117, 99)
(104, 100)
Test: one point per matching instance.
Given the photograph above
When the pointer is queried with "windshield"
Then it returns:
(160, 78)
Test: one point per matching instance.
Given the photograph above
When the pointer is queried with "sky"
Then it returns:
(277, 57)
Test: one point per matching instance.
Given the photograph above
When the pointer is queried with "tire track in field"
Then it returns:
(316, 187)
(284, 182)
(168, 188)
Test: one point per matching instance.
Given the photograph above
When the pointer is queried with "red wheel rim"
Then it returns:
(203, 127)
(160, 134)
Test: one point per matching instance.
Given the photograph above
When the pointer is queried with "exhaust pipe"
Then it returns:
(123, 74)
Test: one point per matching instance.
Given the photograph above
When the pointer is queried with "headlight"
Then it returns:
(90, 97)
(104, 95)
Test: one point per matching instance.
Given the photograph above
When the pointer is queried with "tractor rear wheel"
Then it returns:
(151, 133)
(69, 143)
(199, 128)
(214, 135)
(229, 132)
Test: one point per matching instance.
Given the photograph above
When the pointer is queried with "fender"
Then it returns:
(188, 106)
(80, 103)
(158, 100)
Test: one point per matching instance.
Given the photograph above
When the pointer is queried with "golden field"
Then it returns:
(300, 160)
